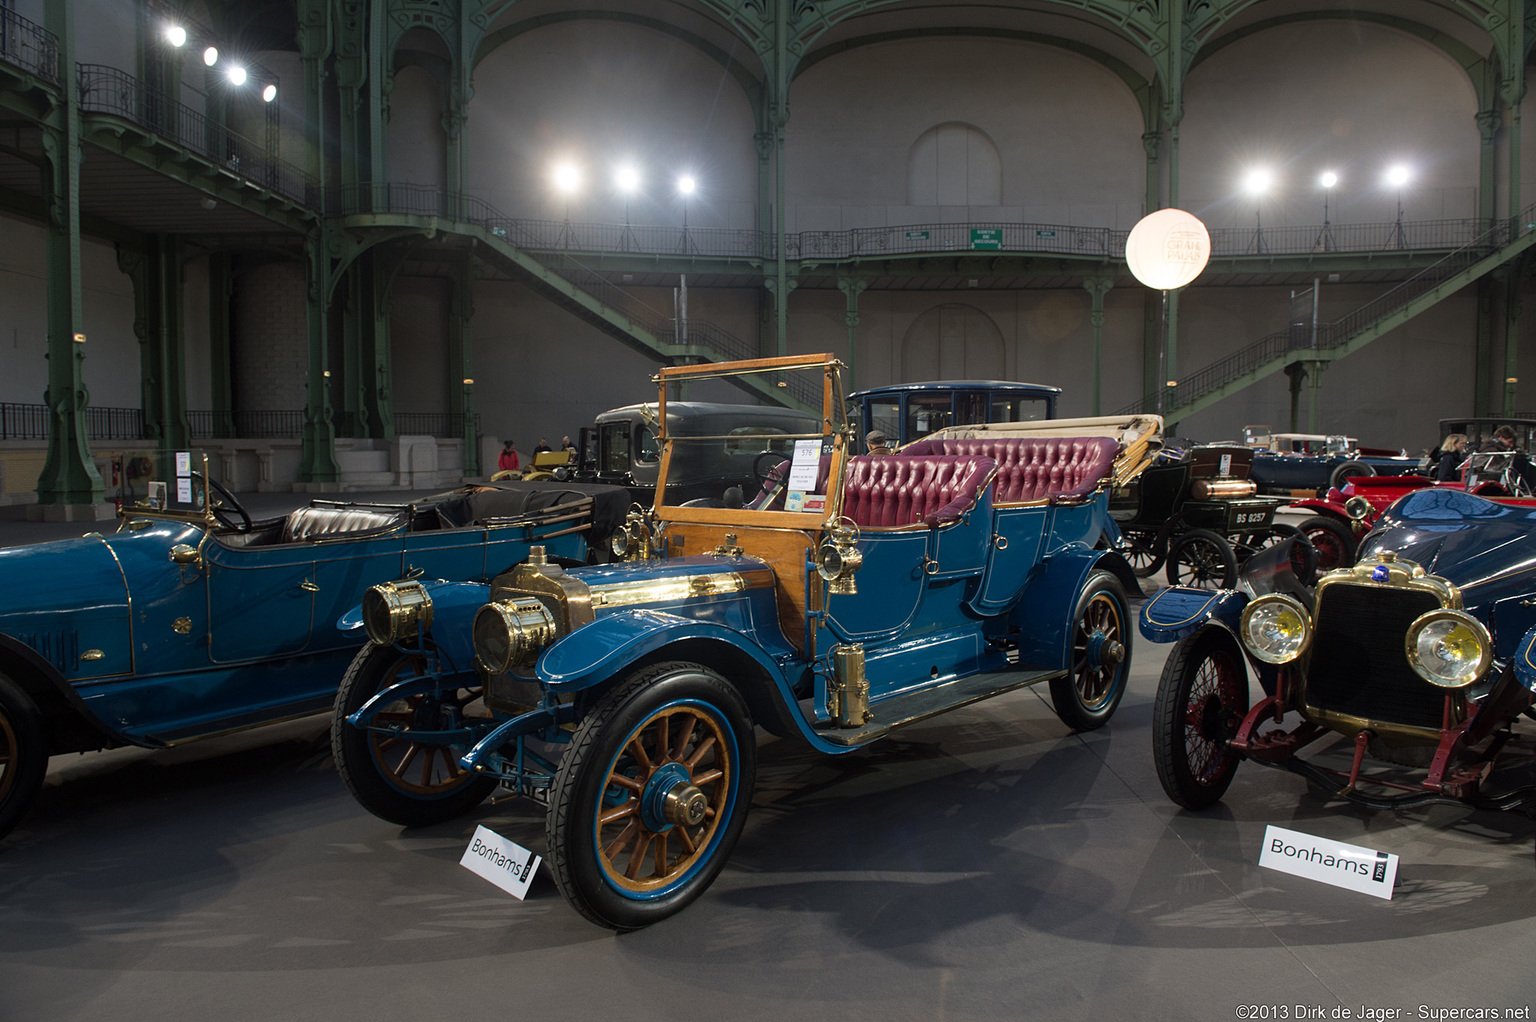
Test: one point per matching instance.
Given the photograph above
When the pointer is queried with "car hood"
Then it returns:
(65, 575)
(1487, 549)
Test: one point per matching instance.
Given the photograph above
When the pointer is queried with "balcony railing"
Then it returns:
(282, 424)
(29, 46)
(30, 422)
(1104, 243)
(437, 424)
(108, 90)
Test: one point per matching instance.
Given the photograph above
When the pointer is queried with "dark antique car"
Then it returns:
(851, 596)
(905, 412)
(1195, 510)
(1419, 657)
(746, 441)
(193, 620)
(1342, 516)
(1303, 464)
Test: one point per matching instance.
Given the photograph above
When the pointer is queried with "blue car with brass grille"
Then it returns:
(1393, 683)
(194, 620)
(849, 596)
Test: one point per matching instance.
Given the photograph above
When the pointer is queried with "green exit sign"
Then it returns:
(1045, 234)
(986, 238)
(917, 235)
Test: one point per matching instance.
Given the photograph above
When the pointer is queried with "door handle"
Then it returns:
(308, 586)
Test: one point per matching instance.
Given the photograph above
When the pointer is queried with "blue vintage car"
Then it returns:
(1288, 464)
(851, 596)
(1419, 656)
(193, 620)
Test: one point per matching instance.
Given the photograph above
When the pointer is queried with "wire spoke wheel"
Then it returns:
(1202, 559)
(1202, 697)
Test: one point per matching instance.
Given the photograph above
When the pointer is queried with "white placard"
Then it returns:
(183, 463)
(504, 863)
(1332, 862)
(802, 473)
(183, 491)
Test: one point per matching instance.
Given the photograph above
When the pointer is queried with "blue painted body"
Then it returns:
(1487, 549)
(247, 637)
(930, 603)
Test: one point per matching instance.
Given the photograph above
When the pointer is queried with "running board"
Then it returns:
(899, 711)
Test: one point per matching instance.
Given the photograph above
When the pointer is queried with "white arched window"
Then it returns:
(954, 164)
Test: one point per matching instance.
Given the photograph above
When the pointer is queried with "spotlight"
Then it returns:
(627, 179)
(1329, 179)
(1398, 175)
(237, 75)
(1257, 181)
(176, 35)
(687, 185)
(211, 56)
(567, 177)
(269, 93)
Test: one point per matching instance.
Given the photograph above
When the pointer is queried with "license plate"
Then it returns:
(1249, 519)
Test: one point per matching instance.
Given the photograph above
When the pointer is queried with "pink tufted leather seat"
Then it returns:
(893, 491)
(1033, 468)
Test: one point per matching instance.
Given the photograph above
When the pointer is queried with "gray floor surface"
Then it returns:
(986, 864)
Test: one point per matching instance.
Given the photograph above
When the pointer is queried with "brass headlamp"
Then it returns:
(839, 558)
(633, 541)
(1358, 508)
(392, 611)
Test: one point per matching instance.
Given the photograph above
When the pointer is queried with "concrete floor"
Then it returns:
(986, 864)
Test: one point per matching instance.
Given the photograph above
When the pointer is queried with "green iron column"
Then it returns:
(852, 287)
(381, 409)
(1487, 185)
(461, 372)
(158, 323)
(1512, 303)
(69, 478)
(1097, 288)
(317, 462)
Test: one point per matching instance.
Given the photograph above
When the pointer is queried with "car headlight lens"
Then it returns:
(392, 611)
(1449, 648)
(1357, 508)
(1276, 628)
(620, 543)
(508, 633)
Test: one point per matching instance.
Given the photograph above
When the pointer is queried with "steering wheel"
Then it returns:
(221, 508)
(760, 475)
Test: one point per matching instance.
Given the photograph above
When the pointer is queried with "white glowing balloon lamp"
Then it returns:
(1167, 249)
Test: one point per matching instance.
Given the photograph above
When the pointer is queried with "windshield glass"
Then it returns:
(174, 482)
(727, 450)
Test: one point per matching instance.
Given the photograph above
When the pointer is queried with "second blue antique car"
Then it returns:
(1420, 656)
(193, 620)
(852, 596)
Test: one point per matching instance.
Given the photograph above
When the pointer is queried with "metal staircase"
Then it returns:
(569, 284)
(1211, 384)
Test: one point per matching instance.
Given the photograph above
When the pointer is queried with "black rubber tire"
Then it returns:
(1086, 697)
(1202, 698)
(1145, 551)
(1343, 472)
(369, 763)
(1334, 541)
(1202, 559)
(585, 859)
(23, 753)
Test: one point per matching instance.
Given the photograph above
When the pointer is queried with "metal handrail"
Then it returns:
(1333, 335)
(109, 90)
(29, 46)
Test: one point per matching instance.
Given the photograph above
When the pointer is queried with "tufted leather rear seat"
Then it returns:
(309, 523)
(933, 490)
(1033, 468)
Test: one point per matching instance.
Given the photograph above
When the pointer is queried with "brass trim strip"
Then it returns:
(629, 594)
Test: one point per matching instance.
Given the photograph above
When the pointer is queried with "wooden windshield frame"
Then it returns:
(834, 426)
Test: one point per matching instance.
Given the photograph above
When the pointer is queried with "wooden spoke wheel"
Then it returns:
(1101, 653)
(651, 796)
(23, 753)
(400, 775)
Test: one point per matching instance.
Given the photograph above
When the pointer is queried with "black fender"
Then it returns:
(1115, 563)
